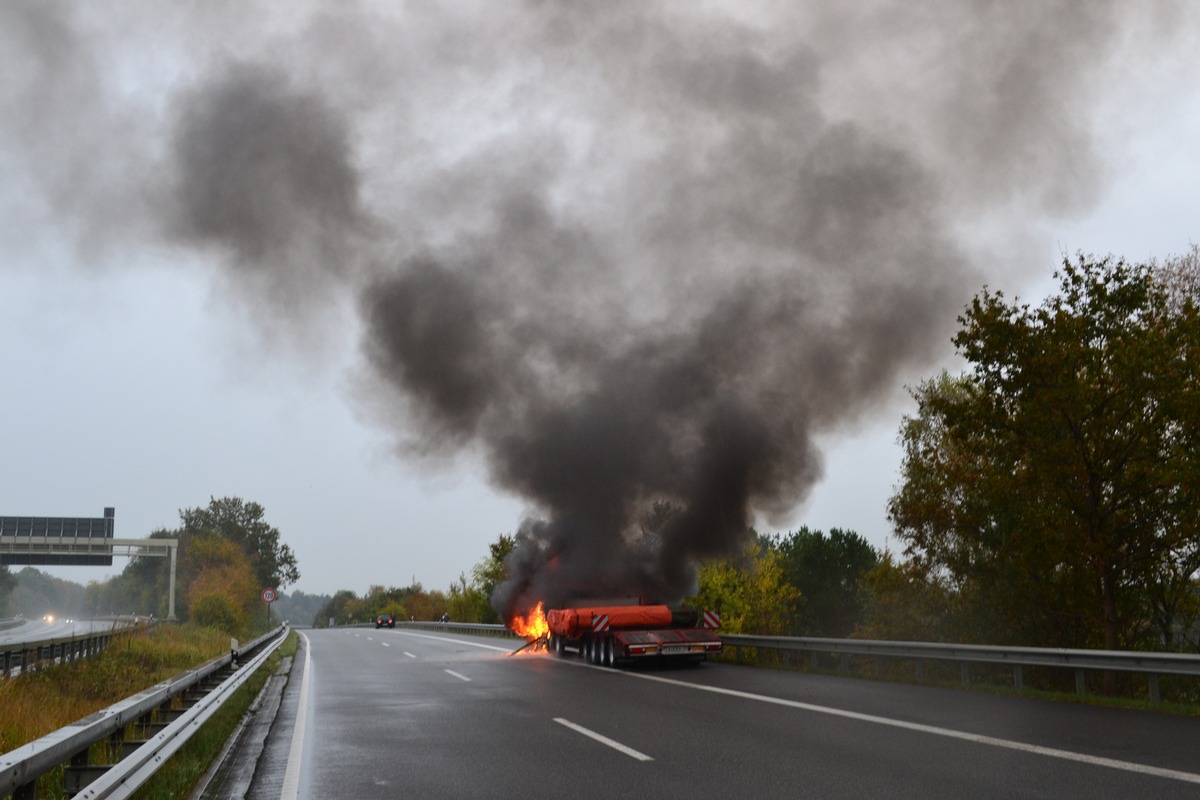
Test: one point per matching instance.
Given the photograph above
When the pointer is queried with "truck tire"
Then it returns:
(609, 654)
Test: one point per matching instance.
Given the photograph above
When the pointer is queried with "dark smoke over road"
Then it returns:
(634, 256)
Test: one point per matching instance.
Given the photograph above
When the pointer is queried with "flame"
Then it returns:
(532, 627)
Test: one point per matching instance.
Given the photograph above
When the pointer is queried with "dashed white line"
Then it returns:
(457, 641)
(385, 644)
(629, 751)
(457, 675)
(410, 655)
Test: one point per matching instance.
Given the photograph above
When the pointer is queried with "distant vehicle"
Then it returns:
(385, 620)
(48, 618)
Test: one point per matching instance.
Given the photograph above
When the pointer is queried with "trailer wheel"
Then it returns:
(609, 655)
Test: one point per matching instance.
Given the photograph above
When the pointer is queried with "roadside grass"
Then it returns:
(36, 703)
(179, 776)
(33, 704)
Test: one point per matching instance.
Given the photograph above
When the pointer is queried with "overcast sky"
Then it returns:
(218, 224)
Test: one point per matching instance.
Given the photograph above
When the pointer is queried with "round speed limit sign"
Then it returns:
(268, 595)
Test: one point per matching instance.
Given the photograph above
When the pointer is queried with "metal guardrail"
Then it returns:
(151, 709)
(21, 656)
(1150, 664)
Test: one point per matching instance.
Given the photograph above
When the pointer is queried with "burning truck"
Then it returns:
(621, 632)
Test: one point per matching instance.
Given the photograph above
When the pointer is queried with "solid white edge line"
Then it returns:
(457, 675)
(1066, 755)
(291, 777)
(629, 751)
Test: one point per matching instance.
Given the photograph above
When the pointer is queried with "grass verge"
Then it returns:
(36, 703)
(179, 776)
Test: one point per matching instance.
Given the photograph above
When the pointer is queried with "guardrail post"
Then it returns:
(75, 778)
(1080, 683)
(1018, 678)
(920, 670)
(1155, 691)
(964, 670)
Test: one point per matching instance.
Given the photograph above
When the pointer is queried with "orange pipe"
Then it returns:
(574, 621)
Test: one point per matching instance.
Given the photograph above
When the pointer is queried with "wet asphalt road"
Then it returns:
(36, 630)
(394, 713)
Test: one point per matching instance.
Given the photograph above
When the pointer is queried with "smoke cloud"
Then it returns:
(635, 256)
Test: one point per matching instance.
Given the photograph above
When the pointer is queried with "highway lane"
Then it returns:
(36, 630)
(421, 714)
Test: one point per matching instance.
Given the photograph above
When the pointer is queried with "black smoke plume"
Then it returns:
(635, 256)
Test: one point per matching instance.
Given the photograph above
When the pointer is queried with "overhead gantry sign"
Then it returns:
(78, 541)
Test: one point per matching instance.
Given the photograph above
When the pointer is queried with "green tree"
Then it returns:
(826, 571)
(342, 608)
(1054, 482)
(902, 601)
(39, 593)
(469, 603)
(245, 525)
(491, 572)
(224, 581)
(217, 611)
(8, 582)
(299, 607)
(750, 593)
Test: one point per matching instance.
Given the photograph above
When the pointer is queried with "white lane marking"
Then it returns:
(370, 639)
(629, 751)
(410, 655)
(457, 675)
(291, 777)
(457, 641)
(1052, 752)
(385, 644)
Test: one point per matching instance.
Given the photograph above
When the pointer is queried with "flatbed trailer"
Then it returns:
(608, 635)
